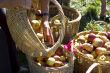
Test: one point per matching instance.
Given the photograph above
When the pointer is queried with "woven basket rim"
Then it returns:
(75, 10)
(52, 68)
(81, 54)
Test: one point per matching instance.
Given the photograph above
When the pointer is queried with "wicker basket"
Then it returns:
(34, 68)
(25, 37)
(72, 25)
(67, 68)
(85, 65)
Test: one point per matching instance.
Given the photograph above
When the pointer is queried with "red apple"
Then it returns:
(88, 47)
(91, 37)
(97, 42)
(100, 50)
(50, 61)
(104, 38)
(59, 51)
(79, 47)
(108, 34)
(107, 45)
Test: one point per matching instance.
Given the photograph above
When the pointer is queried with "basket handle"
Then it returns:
(50, 51)
(94, 65)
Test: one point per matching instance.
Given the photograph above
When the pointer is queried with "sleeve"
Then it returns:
(15, 3)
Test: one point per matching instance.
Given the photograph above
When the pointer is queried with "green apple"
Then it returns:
(50, 61)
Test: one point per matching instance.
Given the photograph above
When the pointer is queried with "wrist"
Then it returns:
(46, 24)
(43, 14)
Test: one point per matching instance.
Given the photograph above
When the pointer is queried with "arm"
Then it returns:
(45, 11)
(15, 3)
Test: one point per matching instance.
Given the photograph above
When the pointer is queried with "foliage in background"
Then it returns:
(97, 26)
(90, 10)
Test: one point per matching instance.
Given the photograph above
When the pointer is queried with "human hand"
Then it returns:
(48, 37)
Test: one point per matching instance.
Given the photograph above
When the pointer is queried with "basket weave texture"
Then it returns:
(24, 35)
(73, 17)
(67, 68)
(34, 68)
(83, 63)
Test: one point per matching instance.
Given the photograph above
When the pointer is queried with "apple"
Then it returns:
(86, 36)
(50, 61)
(91, 37)
(84, 51)
(97, 42)
(103, 34)
(81, 39)
(88, 47)
(79, 47)
(39, 64)
(57, 21)
(57, 58)
(90, 56)
(59, 51)
(108, 58)
(38, 12)
(97, 35)
(63, 58)
(107, 45)
(40, 36)
(107, 61)
(108, 35)
(58, 64)
(104, 38)
(101, 58)
(100, 50)
(94, 54)
(35, 24)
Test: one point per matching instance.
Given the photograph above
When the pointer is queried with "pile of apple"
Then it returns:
(95, 46)
(36, 23)
(59, 59)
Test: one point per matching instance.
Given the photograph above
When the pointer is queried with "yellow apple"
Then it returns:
(35, 24)
(57, 21)
(58, 63)
(100, 50)
(90, 56)
(57, 58)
